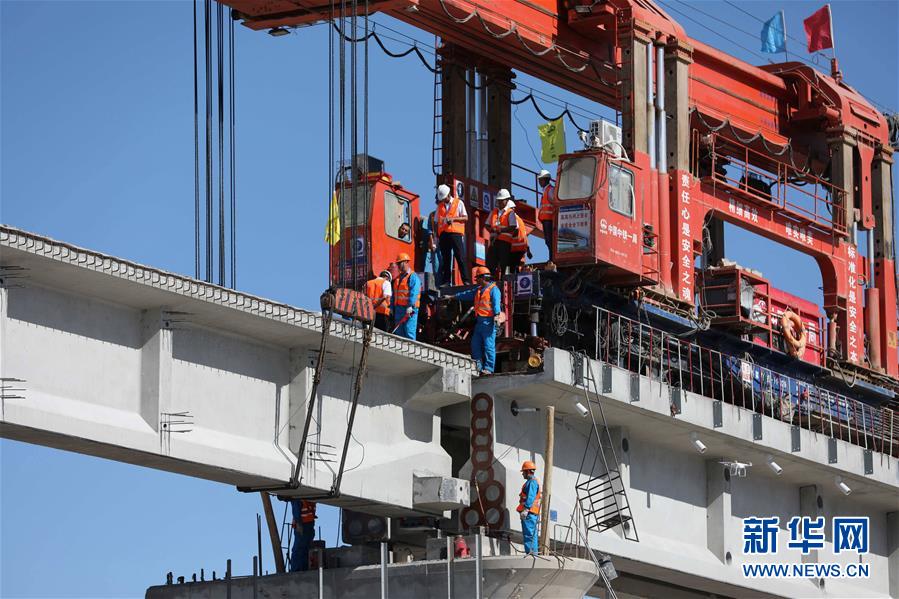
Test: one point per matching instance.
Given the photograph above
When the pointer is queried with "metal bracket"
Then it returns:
(869, 461)
(577, 369)
(831, 451)
(795, 439)
(676, 399)
(635, 387)
(10, 272)
(173, 422)
(756, 427)
(606, 378)
(717, 414)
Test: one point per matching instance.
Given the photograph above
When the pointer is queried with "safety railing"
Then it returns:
(810, 199)
(668, 359)
(524, 185)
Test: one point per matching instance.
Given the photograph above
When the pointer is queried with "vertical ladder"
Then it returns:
(437, 130)
(603, 499)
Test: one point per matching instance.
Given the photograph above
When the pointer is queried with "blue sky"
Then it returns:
(96, 121)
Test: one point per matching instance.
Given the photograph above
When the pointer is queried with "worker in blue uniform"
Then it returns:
(529, 507)
(406, 299)
(488, 313)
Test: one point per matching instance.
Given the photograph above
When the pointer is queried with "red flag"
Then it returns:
(818, 30)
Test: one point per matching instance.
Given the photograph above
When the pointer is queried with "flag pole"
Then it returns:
(833, 42)
(783, 22)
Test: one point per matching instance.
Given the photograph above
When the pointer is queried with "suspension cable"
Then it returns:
(208, 55)
(233, 165)
(196, 151)
(220, 28)
(331, 192)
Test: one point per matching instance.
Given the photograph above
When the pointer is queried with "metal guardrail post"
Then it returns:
(321, 573)
(478, 565)
(384, 590)
(449, 567)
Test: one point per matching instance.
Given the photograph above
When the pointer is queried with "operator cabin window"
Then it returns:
(621, 190)
(397, 217)
(354, 213)
(576, 178)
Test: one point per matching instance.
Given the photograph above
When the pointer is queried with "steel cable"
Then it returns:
(196, 150)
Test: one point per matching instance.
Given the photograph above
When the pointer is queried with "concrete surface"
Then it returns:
(504, 577)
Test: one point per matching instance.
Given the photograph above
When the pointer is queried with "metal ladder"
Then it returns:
(437, 131)
(602, 499)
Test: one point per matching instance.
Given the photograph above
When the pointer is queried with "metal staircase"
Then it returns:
(602, 499)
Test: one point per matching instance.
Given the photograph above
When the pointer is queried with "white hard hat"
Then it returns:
(443, 192)
(544, 174)
(503, 194)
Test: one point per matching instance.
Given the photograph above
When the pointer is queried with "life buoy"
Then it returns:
(794, 333)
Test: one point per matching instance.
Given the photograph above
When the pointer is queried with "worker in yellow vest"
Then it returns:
(451, 219)
(547, 213)
(380, 291)
(529, 506)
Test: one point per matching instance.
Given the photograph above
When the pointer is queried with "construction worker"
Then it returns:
(406, 298)
(488, 313)
(451, 218)
(519, 246)
(547, 213)
(426, 244)
(379, 290)
(304, 533)
(500, 246)
(529, 507)
(511, 239)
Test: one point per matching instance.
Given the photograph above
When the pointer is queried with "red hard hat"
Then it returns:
(402, 257)
(528, 465)
(480, 271)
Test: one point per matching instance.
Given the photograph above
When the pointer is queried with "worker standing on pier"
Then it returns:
(488, 313)
(406, 298)
(529, 507)
(304, 533)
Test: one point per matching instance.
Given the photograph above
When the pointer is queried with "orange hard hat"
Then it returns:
(402, 257)
(480, 271)
(528, 465)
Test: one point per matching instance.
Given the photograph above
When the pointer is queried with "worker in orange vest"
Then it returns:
(519, 247)
(511, 237)
(379, 290)
(529, 507)
(406, 299)
(547, 213)
(451, 219)
(304, 533)
(488, 313)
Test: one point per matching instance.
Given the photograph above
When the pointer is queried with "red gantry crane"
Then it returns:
(781, 150)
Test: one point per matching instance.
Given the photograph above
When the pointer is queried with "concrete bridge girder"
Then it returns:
(147, 367)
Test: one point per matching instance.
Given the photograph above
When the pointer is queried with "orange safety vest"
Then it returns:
(482, 304)
(547, 207)
(523, 496)
(307, 512)
(504, 222)
(374, 289)
(453, 212)
(520, 242)
(401, 291)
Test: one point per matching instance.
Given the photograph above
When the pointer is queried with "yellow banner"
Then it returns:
(332, 232)
(552, 140)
